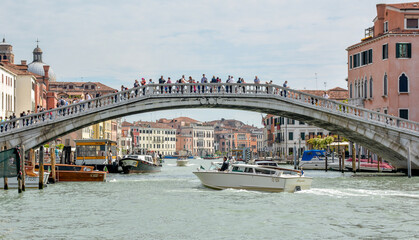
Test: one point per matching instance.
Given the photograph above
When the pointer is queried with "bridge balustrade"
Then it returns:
(207, 90)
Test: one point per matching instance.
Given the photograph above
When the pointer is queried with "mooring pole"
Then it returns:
(23, 168)
(359, 148)
(325, 163)
(378, 163)
(295, 158)
(353, 158)
(6, 185)
(343, 161)
(409, 164)
(19, 176)
(52, 154)
(41, 167)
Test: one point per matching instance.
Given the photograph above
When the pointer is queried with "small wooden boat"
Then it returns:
(76, 173)
(31, 179)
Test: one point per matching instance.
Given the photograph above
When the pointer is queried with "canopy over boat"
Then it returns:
(310, 154)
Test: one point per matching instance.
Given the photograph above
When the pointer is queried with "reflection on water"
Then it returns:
(172, 204)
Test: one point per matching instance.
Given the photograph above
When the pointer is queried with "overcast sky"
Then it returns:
(116, 42)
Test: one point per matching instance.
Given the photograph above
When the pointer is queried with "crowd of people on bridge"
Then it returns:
(168, 86)
(172, 86)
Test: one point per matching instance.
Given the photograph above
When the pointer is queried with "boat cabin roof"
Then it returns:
(310, 154)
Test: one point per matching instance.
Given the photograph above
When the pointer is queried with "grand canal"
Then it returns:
(173, 204)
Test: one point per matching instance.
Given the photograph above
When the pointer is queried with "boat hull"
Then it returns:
(138, 166)
(30, 181)
(72, 176)
(316, 165)
(182, 163)
(223, 180)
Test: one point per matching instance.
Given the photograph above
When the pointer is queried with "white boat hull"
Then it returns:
(316, 165)
(182, 163)
(30, 182)
(223, 180)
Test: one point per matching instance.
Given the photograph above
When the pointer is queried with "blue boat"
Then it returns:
(176, 157)
(314, 160)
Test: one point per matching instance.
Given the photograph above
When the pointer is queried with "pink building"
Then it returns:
(383, 69)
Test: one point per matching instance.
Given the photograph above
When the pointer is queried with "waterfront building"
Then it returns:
(283, 134)
(7, 92)
(184, 140)
(126, 138)
(383, 67)
(153, 137)
(232, 134)
(202, 139)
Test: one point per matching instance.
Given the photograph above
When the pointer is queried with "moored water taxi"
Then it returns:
(76, 173)
(254, 177)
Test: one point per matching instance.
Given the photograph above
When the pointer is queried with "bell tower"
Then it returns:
(6, 52)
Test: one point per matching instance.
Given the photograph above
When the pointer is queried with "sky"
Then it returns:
(116, 42)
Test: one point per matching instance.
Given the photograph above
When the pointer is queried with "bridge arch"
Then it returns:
(391, 137)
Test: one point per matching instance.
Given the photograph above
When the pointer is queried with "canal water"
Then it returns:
(173, 204)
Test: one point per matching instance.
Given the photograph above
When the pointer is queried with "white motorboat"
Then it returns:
(181, 162)
(254, 177)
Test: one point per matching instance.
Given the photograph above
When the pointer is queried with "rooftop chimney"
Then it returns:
(22, 62)
(46, 76)
(379, 25)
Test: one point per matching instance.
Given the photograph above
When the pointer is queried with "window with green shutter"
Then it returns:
(403, 50)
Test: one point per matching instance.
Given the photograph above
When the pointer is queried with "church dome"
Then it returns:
(38, 68)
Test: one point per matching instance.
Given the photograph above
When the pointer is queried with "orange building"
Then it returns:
(383, 73)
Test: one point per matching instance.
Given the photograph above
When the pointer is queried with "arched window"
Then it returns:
(385, 85)
(365, 88)
(403, 84)
(361, 85)
(371, 87)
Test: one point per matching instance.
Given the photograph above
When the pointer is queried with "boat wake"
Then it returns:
(351, 192)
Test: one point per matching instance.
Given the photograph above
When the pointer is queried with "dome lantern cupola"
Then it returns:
(37, 53)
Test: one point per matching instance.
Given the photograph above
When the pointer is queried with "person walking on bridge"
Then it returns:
(203, 80)
(143, 83)
(285, 85)
(169, 81)
(257, 81)
(161, 81)
(136, 85)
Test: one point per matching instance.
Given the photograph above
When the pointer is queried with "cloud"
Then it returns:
(121, 41)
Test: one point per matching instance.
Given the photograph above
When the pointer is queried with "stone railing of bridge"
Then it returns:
(205, 90)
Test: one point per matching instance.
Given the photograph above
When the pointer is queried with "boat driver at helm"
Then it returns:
(225, 165)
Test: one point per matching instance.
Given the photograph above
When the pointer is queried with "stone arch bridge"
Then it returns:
(387, 135)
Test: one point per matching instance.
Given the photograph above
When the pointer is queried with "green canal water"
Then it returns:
(173, 204)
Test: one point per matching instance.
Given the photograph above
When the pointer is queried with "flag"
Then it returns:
(105, 169)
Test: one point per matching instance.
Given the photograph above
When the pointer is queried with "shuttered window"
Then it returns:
(403, 50)
(385, 51)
